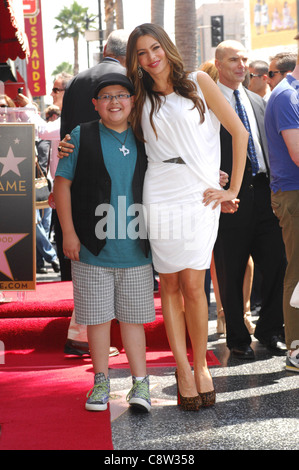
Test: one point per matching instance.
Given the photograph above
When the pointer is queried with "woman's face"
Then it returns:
(151, 56)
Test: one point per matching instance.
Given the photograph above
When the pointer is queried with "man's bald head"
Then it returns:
(224, 46)
(231, 62)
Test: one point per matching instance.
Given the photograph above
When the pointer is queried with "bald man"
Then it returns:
(253, 229)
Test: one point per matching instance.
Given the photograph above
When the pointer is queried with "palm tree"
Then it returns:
(63, 67)
(109, 16)
(73, 22)
(157, 12)
(119, 11)
(185, 32)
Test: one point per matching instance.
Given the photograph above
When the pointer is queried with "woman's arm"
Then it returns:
(232, 123)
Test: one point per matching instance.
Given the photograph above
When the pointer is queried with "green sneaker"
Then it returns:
(139, 395)
(98, 400)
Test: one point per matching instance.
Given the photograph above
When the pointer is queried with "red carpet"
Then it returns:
(50, 299)
(42, 392)
(42, 406)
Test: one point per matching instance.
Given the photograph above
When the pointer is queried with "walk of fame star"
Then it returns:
(11, 163)
(7, 240)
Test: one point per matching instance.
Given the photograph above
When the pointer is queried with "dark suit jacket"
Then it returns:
(246, 193)
(77, 101)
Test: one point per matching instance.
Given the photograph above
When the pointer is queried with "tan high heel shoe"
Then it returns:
(187, 403)
(221, 325)
(208, 398)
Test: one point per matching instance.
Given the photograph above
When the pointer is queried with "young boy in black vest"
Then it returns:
(98, 197)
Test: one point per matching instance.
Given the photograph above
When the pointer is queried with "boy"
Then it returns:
(95, 189)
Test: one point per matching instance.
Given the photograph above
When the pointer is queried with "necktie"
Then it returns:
(244, 118)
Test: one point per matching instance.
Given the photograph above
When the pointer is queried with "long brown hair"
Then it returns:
(144, 86)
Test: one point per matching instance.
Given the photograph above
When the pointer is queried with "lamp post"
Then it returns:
(101, 31)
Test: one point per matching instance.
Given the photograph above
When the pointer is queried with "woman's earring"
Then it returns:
(139, 72)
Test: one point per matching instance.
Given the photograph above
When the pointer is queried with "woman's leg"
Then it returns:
(196, 312)
(175, 324)
(99, 345)
(247, 284)
(247, 288)
(133, 339)
(221, 328)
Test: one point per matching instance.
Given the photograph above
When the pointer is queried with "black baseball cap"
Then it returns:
(114, 79)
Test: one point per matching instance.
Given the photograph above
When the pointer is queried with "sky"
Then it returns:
(135, 12)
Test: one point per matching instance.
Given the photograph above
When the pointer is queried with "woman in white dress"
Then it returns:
(177, 116)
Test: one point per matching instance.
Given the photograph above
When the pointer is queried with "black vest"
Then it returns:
(91, 186)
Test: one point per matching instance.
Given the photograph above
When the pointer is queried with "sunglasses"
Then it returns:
(271, 73)
(57, 90)
(255, 75)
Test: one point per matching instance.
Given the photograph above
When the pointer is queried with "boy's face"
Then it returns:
(114, 112)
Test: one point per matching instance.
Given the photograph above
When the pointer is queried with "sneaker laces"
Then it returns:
(142, 387)
(99, 391)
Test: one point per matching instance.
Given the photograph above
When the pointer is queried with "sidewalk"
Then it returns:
(256, 408)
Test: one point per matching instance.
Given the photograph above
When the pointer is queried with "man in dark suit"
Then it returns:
(77, 102)
(253, 229)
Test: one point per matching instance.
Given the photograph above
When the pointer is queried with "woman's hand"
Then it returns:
(227, 198)
(64, 148)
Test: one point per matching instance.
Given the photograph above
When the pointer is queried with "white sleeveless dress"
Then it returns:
(181, 229)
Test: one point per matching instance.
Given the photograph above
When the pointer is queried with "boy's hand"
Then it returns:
(65, 148)
(71, 246)
(223, 180)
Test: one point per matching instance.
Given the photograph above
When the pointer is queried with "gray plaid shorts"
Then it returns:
(102, 294)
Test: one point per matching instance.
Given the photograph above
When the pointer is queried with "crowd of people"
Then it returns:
(138, 125)
(46, 144)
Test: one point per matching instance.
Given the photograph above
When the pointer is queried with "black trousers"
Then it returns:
(260, 236)
(65, 263)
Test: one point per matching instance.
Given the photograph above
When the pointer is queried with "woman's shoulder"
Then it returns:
(200, 76)
(202, 79)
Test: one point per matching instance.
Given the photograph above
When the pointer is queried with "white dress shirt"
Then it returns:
(229, 95)
(48, 131)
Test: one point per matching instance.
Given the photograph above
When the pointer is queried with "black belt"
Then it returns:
(175, 160)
